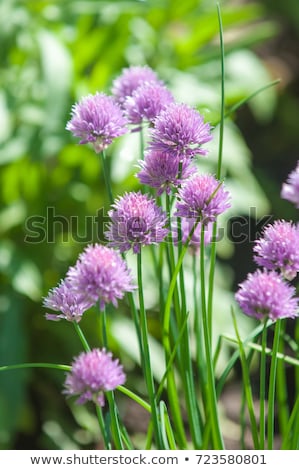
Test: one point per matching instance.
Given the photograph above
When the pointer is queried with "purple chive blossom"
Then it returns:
(146, 102)
(130, 79)
(97, 119)
(101, 275)
(290, 189)
(278, 248)
(63, 299)
(181, 131)
(266, 294)
(164, 171)
(203, 197)
(136, 220)
(93, 373)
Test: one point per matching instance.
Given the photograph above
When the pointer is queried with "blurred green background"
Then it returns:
(54, 52)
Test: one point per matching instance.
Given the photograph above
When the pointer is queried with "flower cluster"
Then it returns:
(267, 293)
(136, 220)
(181, 131)
(92, 374)
(130, 79)
(146, 103)
(99, 276)
(97, 119)
(290, 189)
(176, 135)
(64, 299)
(278, 248)
(203, 197)
(164, 171)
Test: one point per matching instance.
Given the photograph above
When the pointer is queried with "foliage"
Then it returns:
(52, 54)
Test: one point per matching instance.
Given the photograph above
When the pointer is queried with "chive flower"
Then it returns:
(202, 196)
(93, 373)
(278, 248)
(266, 294)
(130, 79)
(145, 103)
(180, 130)
(290, 189)
(100, 275)
(164, 171)
(97, 119)
(136, 221)
(65, 300)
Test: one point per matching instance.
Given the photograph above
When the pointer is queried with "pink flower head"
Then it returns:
(101, 275)
(130, 79)
(97, 119)
(202, 196)
(180, 130)
(266, 294)
(93, 373)
(64, 299)
(136, 220)
(146, 102)
(278, 248)
(290, 189)
(164, 171)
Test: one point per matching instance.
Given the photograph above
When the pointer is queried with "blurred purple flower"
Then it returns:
(202, 196)
(290, 189)
(180, 130)
(93, 373)
(136, 220)
(161, 170)
(278, 248)
(130, 79)
(100, 274)
(146, 102)
(97, 119)
(194, 244)
(65, 300)
(266, 294)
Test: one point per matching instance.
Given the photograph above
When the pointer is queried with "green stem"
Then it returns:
(218, 175)
(115, 425)
(103, 320)
(106, 176)
(262, 386)
(98, 408)
(82, 337)
(211, 279)
(198, 336)
(282, 389)
(272, 385)
(211, 392)
(147, 359)
(221, 129)
(30, 365)
(171, 383)
(292, 429)
(141, 141)
(296, 337)
(247, 387)
(103, 427)
(186, 362)
(240, 103)
(134, 397)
